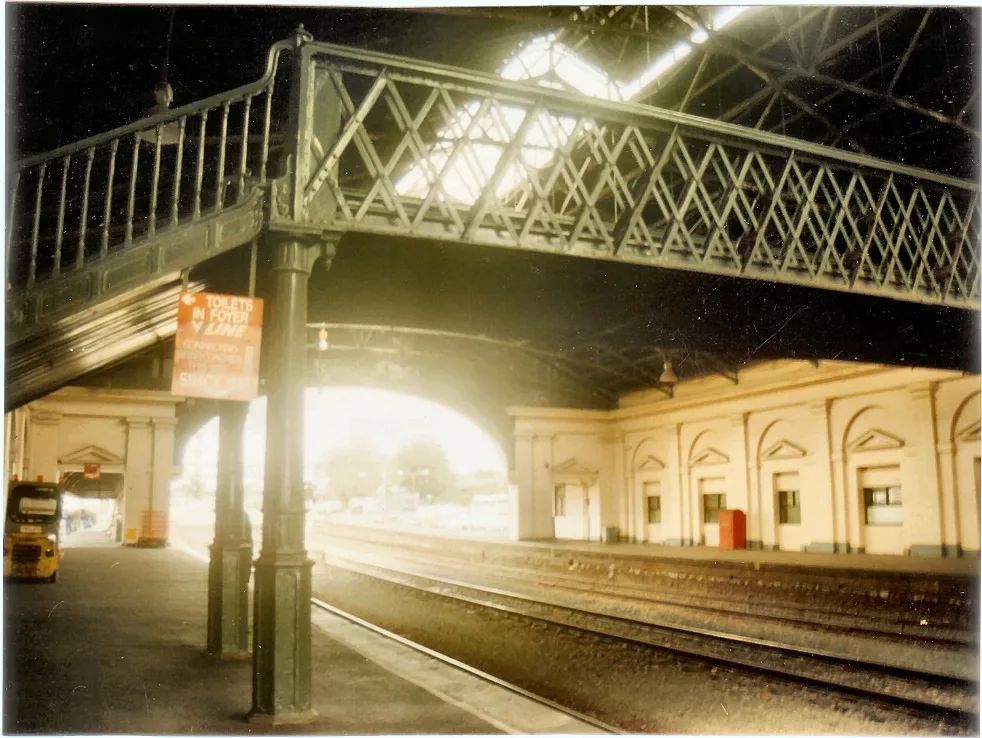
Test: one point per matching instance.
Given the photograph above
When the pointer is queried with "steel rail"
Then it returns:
(529, 93)
(461, 666)
(809, 618)
(443, 658)
(777, 650)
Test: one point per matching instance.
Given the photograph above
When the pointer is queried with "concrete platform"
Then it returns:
(965, 565)
(115, 646)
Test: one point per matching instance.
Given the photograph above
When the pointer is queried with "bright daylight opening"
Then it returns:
(371, 457)
(551, 64)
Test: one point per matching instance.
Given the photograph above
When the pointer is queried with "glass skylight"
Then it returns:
(551, 64)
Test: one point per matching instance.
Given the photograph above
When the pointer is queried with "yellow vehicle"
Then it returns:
(31, 536)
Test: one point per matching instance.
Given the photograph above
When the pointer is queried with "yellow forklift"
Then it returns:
(31, 534)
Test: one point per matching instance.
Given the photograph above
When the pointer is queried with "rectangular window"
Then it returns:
(788, 507)
(654, 510)
(884, 505)
(559, 500)
(711, 505)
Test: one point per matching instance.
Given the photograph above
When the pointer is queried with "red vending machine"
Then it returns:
(732, 530)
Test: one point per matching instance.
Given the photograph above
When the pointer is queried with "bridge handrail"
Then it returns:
(573, 100)
(577, 102)
(168, 116)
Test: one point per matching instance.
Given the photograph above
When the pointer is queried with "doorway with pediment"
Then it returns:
(94, 479)
(576, 501)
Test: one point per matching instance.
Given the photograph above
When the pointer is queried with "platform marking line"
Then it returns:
(505, 710)
(524, 716)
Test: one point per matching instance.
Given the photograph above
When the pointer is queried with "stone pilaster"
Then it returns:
(611, 482)
(44, 429)
(138, 478)
(923, 514)
(156, 526)
(738, 496)
(819, 488)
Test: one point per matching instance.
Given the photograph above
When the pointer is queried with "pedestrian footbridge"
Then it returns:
(103, 234)
(333, 140)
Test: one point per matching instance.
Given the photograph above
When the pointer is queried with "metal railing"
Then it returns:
(82, 203)
(436, 152)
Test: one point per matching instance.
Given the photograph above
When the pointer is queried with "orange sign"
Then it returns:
(92, 471)
(216, 352)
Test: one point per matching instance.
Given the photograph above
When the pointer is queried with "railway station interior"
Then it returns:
(536, 370)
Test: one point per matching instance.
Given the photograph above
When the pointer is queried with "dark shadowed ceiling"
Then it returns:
(895, 83)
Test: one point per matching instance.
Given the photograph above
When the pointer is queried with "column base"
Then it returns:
(934, 550)
(229, 568)
(835, 548)
(305, 717)
(281, 672)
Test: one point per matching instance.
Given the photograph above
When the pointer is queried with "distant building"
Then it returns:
(837, 457)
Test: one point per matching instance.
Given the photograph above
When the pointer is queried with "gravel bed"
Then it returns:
(632, 687)
(851, 674)
(962, 662)
(910, 603)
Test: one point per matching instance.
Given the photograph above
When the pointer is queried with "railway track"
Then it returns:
(578, 719)
(937, 697)
(802, 617)
(578, 722)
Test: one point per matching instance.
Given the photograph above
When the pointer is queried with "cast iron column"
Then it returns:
(231, 553)
(281, 674)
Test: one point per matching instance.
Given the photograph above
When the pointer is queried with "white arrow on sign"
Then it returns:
(188, 299)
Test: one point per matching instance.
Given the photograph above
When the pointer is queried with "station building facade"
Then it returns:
(834, 457)
(125, 437)
(829, 457)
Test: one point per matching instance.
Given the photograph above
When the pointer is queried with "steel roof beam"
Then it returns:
(723, 47)
(910, 50)
(709, 47)
(867, 75)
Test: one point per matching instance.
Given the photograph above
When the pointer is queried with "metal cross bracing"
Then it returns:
(832, 74)
(439, 153)
(435, 152)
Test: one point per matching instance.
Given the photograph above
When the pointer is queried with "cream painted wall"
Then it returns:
(128, 432)
(828, 424)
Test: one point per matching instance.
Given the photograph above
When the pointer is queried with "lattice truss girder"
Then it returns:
(440, 156)
(512, 370)
(592, 373)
